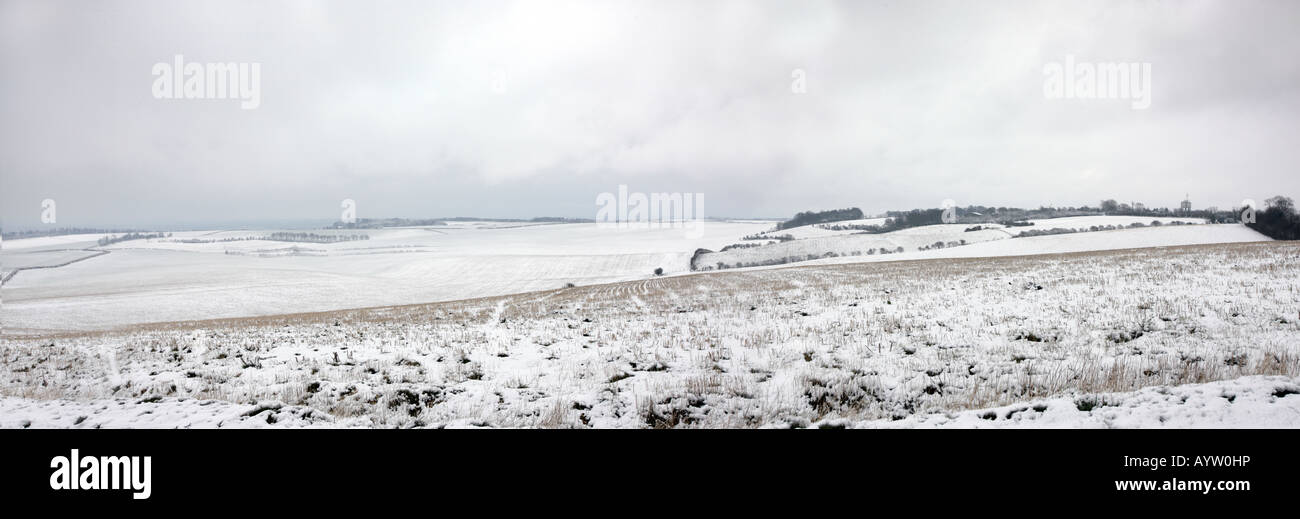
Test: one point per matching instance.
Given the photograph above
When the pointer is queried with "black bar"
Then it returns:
(306, 469)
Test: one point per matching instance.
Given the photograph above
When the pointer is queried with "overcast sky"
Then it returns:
(423, 109)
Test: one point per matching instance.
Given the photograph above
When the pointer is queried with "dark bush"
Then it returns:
(812, 217)
(1279, 221)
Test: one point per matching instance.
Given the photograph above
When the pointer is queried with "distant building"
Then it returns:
(1186, 205)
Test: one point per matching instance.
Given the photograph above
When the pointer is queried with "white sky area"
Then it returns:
(522, 109)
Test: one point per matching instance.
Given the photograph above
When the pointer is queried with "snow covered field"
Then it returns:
(939, 342)
(1147, 237)
(991, 240)
(225, 275)
(213, 274)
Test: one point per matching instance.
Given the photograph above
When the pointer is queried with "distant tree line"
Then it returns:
(1279, 220)
(17, 235)
(1094, 228)
(741, 246)
(1013, 216)
(812, 217)
(1007, 216)
(777, 237)
(914, 218)
(379, 223)
(1211, 214)
(221, 240)
(942, 244)
(896, 220)
(849, 227)
(1048, 232)
(109, 240)
(307, 237)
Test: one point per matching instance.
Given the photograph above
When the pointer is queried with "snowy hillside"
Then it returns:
(1060, 340)
(952, 240)
(1148, 237)
(200, 275)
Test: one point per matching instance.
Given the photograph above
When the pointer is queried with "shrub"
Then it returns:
(696, 257)
(1279, 221)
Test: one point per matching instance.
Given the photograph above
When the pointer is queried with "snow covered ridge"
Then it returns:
(865, 344)
(820, 243)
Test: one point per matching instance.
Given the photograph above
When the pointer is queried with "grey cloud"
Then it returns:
(391, 104)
